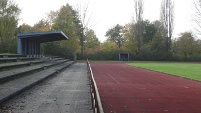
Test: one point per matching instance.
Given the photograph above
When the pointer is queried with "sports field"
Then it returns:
(127, 89)
(186, 70)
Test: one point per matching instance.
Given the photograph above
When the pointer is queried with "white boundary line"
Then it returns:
(113, 78)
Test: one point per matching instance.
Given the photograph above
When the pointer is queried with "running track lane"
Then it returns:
(126, 89)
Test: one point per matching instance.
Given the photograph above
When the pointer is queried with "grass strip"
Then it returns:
(187, 70)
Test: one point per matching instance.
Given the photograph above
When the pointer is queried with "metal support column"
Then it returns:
(25, 47)
(19, 46)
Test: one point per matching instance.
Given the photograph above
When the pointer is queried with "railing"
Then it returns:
(95, 98)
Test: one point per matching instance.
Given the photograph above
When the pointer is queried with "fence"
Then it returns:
(96, 102)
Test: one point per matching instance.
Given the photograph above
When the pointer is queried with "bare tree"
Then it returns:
(197, 16)
(138, 20)
(167, 19)
(85, 18)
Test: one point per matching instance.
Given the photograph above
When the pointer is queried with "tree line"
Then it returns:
(145, 40)
(142, 39)
(154, 47)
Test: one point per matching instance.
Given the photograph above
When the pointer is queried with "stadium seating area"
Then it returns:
(18, 72)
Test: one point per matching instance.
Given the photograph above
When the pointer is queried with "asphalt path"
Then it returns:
(67, 92)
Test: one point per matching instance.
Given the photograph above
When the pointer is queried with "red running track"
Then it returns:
(126, 89)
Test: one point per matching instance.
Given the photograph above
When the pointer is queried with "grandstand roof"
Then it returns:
(43, 37)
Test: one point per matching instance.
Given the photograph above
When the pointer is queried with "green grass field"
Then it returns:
(187, 70)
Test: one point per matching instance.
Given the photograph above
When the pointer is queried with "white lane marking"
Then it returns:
(113, 78)
(184, 86)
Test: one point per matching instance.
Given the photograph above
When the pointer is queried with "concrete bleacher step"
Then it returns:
(17, 59)
(11, 88)
(10, 74)
(54, 56)
(17, 64)
(11, 55)
(57, 59)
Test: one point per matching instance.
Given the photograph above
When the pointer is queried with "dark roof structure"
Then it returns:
(43, 37)
(29, 43)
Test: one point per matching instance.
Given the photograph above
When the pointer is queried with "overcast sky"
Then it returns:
(107, 13)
